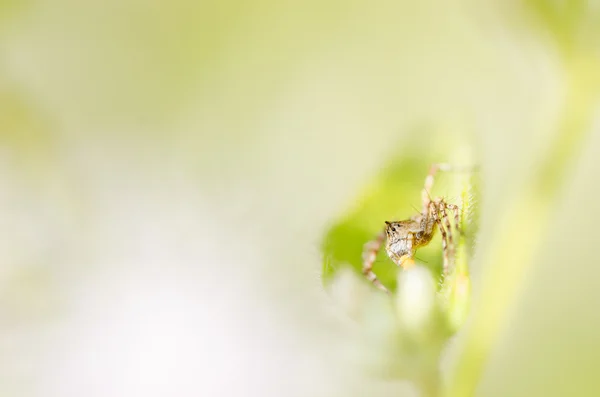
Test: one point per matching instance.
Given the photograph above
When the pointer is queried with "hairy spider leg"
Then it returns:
(370, 251)
(440, 206)
(457, 217)
(428, 185)
(444, 245)
(448, 247)
(429, 218)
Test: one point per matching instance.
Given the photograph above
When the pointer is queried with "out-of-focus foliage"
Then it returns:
(573, 25)
(168, 170)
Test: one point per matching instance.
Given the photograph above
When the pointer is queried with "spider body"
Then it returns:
(403, 238)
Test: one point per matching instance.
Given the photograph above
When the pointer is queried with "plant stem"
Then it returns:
(524, 222)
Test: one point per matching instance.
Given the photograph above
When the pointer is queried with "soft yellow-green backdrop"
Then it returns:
(168, 171)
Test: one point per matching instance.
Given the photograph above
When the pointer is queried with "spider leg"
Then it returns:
(434, 211)
(369, 254)
(444, 245)
(428, 185)
(429, 221)
(448, 246)
(457, 217)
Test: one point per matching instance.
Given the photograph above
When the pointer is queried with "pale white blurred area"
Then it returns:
(153, 289)
(149, 296)
(165, 214)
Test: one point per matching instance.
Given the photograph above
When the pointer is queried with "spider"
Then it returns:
(403, 238)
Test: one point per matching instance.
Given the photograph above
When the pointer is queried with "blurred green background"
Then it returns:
(169, 174)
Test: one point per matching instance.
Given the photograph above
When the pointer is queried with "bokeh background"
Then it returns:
(168, 171)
